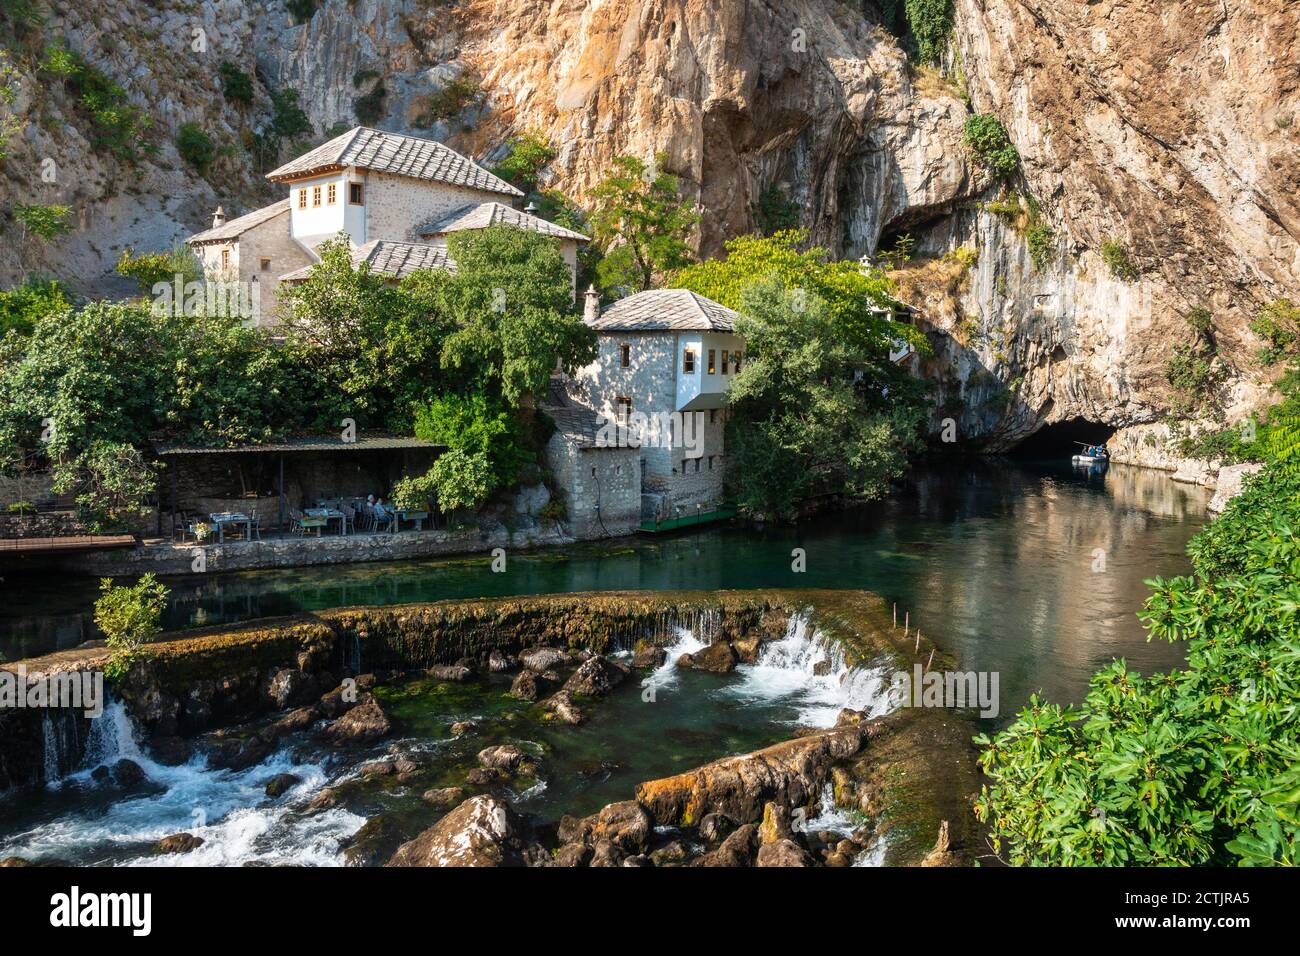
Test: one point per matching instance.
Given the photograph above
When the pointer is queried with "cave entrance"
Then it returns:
(1063, 438)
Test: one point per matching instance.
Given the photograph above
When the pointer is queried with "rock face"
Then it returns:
(482, 831)
(1231, 480)
(788, 773)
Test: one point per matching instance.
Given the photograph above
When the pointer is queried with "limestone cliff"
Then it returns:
(1165, 127)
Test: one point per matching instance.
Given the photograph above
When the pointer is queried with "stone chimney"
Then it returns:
(218, 218)
(591, 308)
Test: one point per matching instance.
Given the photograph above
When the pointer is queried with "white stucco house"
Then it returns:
(396, 197)
(639, 435)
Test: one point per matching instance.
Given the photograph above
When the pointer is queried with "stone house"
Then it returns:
(640, 431)
(396, 197)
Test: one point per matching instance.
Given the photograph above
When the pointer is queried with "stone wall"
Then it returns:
(600, 487)
(397, 205)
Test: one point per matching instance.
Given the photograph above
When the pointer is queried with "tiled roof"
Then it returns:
(394, 153)
(576, 422)
(373, 442)
(666, 310)
(490, 214)
(235, 228)
(391, 258)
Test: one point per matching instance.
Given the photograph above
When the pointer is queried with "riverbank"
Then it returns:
(240, 701)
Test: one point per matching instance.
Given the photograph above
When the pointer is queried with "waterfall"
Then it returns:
(789, 668)
(61, 742)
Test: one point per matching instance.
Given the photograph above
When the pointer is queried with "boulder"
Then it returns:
(790, 773)
(482, 831)
(178, 843)
(525, 686)
(783, 853)
(562, 706)
(738, 849)
(715, 827)
(670, 854)
(325, 800)
(288, 685)
(374, 842)
(128, 773)
(281, 784)
(449, 672)
(292, 722)
(486, 777)
(718, 658)
(775, 825)
(541, 659)
(624, 824)
(462, 727)
(596, 677)
(341, 699)
(444, 796)
(505, 757)
(648, 656)
(747, 648)
(572, 854)
(499, 663)
(363, 723)
(605, 853)
(531, 499)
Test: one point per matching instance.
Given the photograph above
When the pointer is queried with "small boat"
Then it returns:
(1092, 456)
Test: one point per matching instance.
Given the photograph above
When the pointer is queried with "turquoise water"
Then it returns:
(1028, 569)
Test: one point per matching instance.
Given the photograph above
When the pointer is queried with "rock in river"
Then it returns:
(718, 657)
(362, 724)
(482, 831)
(596, 677)
(178, 843)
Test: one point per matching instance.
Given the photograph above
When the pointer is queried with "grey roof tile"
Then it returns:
(391, 258)
(492, 213)
(235, 228)
(666, 310)
(395, 153)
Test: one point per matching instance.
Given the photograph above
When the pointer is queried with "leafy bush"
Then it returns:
(24, 305)
(1115, 255)
(1278, 323)
(775, 211)
(195, 146)
(150, 268)
(461, 479)
(985, 135)
(235, 83)
(1042, 244)
(924, 25)
(529, 154)
(480, 426)
(117, 125)
(129, 618)
(458, 94)
(370, 106)
(45, 222)
(1195, 767)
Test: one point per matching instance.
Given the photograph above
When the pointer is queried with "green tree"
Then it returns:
(129, 618)
(461, 479)
(800, 424)
(857, 300)
(235, 84)
(510, 305)
(480, 426)
(643, 224)
(44, 221)
(112, 483)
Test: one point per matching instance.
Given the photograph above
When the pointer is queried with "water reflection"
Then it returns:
(1029, 569)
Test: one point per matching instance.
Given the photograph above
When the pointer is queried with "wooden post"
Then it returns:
(917, 649)
(907, 622)
(931, 660)
(895, 615)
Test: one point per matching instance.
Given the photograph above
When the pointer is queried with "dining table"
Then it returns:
(233, 518)
(329, 514)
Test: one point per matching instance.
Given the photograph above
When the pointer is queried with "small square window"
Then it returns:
(736, 358)
(331, 193)
(624, 356)
(623, 405)
(265, 264)
(315, 195)
(356, 194)
(302, 198)
(726, 361)
(688, 362)
(225, 258)
(713, 415)
(713, 368)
